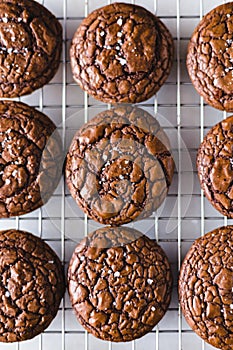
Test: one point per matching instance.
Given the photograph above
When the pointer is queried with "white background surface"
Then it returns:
(185, 214)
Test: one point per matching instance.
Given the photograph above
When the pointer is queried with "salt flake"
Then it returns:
(120, 21)
(228, 69)
(122, 61)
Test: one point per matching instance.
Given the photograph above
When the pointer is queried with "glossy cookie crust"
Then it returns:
(215, 166)
(121, 53)
(206, 287)
(210, 57)
(32, 285)
(119, 166)
(119, 284)
(30, 158)
(30, 47)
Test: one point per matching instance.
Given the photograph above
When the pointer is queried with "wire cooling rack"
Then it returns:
(185, 215)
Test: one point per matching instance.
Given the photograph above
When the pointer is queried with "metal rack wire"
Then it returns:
(62, 224)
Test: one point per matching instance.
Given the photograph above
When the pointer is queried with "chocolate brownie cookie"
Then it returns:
(30, 47)
(210, 57)
(120, 284)
(119, 166)
(121, 53)
(206, 287)
(215, 166)
(32, 285)
(30, 158)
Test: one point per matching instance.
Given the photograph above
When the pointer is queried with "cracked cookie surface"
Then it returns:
(206, 287)
(119, 166)
(31, 287)
(121, 53)
(120, 284)
(215, 166)
(210, 57)
(30, 47)
(30, 158)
